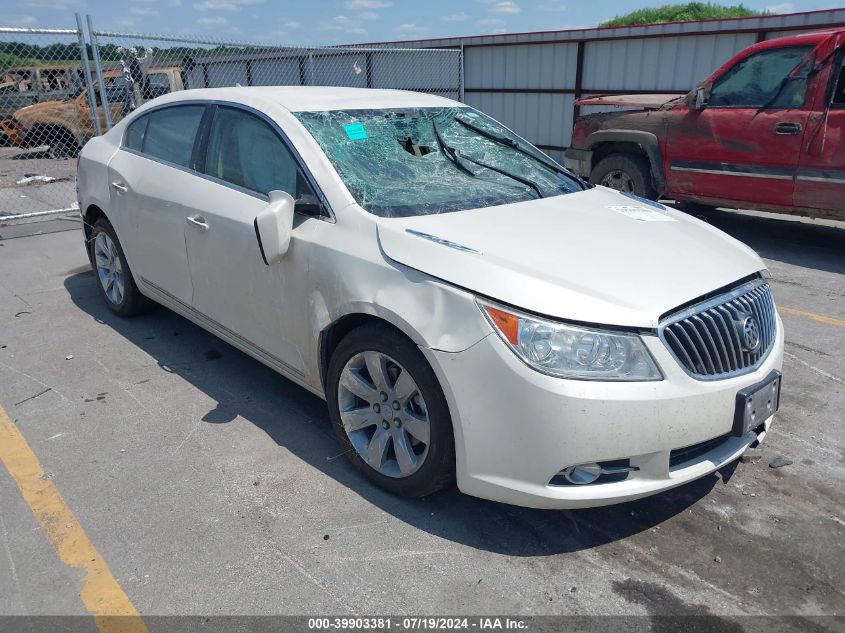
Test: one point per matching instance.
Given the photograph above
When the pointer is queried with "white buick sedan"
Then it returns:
(469, 309)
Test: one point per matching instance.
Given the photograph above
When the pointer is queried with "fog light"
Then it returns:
(598, 473)
(583, 474)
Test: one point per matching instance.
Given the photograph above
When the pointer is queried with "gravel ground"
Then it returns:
(210, 485)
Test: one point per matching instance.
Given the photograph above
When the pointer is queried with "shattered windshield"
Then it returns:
(420, 161)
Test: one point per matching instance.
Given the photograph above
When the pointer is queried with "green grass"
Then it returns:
(682, 13)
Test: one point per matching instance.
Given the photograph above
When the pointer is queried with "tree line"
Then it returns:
(16, 54)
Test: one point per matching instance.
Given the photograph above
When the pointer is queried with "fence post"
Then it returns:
(461, 75)
(579, 80)
(98, 69)
(83, 54)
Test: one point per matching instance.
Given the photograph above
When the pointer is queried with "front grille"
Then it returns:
(714, 339)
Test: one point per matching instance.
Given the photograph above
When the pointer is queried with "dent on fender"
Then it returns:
(436, 315)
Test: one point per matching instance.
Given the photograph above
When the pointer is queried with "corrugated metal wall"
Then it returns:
(662, 63)
(434, 71)
(524, 87)
(530, 81)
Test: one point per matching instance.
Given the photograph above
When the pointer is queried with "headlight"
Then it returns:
(571, 351)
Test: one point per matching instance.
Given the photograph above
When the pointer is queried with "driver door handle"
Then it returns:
(787, 129)
(197, 221)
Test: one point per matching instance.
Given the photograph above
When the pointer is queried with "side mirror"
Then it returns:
(273, 227)
(308, 204)
(699, 100)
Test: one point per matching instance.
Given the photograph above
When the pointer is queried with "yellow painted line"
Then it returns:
(821, 318)
(100, 593)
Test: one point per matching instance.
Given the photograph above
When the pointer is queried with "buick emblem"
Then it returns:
(749, 332)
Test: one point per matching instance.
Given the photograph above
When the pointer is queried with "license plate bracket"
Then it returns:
(756, 403)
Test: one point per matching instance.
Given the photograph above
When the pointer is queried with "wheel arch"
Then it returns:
(606, 142)
(40, 133)
(90, 216)
(333, 333)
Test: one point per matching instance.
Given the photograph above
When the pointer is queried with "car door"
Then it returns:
(821, 176)
(261, 305)
(745, 143)
(151, 185)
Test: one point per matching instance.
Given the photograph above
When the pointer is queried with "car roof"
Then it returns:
(319, 98)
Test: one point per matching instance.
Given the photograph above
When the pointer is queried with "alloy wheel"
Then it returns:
(384, 414)
(109, 268)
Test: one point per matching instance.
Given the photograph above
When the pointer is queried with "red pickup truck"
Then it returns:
(766, 131)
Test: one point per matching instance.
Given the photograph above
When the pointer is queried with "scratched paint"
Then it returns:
(101, 595)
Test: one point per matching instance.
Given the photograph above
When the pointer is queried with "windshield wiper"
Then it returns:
(450, 152)
(456, 157)
(509, 142)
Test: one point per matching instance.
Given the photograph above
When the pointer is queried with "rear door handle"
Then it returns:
(787, 129)
(197, 221)
(120, 187)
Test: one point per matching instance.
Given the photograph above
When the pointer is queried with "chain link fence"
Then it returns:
(44, 101)
(52, 102)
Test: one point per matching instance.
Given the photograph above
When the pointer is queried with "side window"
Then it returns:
(171, 133)
(839, 90)
(134, 138)
(758, 80)
(245, 151)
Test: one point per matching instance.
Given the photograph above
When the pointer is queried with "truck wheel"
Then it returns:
(624, 172)
(63, 147)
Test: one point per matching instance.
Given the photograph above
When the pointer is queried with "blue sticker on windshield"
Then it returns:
(355, 131)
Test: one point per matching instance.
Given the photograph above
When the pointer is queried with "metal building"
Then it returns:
(530, 81)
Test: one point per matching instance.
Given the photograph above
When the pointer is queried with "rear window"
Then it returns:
(171, 133)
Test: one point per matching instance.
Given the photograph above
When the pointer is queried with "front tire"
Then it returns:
(116, 283)
(625, 172)
(389, 412)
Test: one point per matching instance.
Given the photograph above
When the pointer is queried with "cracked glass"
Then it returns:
(421, 161)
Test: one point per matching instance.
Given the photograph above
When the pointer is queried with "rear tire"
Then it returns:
(393, 422)
(625, 172)
(114, 278)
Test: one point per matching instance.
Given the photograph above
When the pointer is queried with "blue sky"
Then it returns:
(307, 22)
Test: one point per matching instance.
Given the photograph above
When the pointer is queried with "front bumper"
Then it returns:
(516, 428)
(579, 160)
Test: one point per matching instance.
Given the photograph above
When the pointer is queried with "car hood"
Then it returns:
(596, 256)
(644, 101)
